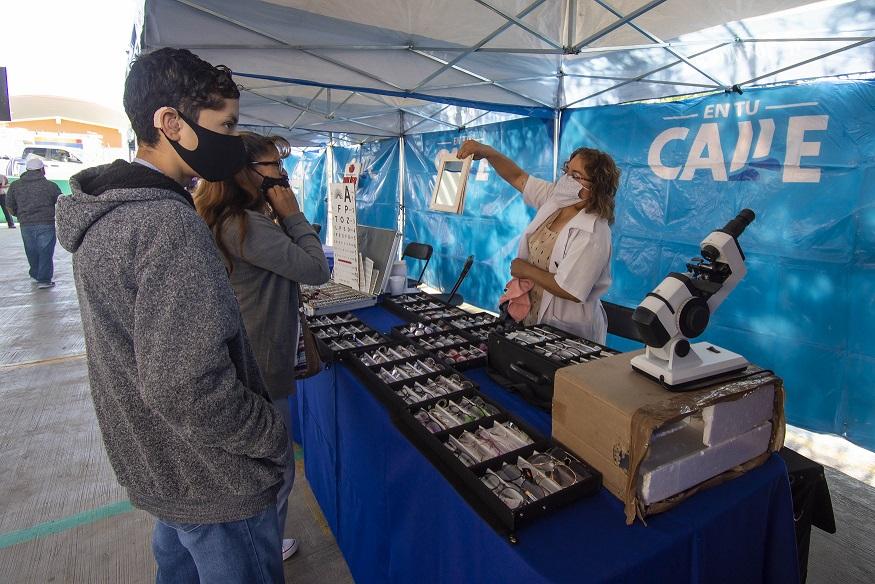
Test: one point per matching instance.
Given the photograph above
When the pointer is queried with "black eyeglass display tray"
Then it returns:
(466, 480)
(409, 298)
(408, 306)
(384, 391)
(425, 341)
(443, 313)
(473, 392)
(462, 365)
(441, 437)
(421, 307)
(519, 367)
(320, 332)
(588, 483)
(413, 330)
(481, 333)
(336, 319)
(470, 320)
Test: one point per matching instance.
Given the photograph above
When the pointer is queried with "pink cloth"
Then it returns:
(516, 294)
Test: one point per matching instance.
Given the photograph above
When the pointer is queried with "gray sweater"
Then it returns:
(32, 199)
(183, 410)
(266, 273)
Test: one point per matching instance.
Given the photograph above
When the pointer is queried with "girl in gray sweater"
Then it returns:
(269, 248)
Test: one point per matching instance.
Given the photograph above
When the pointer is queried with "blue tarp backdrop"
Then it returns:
(803, 159)
(377, 196)
(315, 196)
(494, 215)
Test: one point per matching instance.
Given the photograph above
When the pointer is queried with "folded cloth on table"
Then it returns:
(516, 295)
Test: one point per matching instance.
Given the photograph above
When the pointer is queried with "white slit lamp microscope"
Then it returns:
(680, 307)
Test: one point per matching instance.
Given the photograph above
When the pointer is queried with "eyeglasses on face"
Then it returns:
(275, 163)
(584, 182)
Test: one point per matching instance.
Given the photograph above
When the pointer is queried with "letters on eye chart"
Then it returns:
(345, 233)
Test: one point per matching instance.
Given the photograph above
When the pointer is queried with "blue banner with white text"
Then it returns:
(803, 159)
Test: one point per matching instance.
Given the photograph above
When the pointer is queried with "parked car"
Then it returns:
(60, 163)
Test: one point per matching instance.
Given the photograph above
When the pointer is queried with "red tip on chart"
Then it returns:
(345, 261)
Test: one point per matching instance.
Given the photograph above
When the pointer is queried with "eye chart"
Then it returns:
(345, 232)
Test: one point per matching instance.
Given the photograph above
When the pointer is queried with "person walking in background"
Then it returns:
(4, 184)
(269, 248)
(32, 199)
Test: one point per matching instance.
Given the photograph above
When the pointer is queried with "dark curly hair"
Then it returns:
(175, 78)
(605, 177)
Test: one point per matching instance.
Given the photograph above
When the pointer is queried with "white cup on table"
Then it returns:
(397, 285)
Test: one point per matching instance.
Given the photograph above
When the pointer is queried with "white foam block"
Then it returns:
(682, 461)
(731, 418)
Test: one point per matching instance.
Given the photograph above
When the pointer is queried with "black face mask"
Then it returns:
(217, 156)
(268, 182)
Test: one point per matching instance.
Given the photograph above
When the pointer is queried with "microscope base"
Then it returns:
(704, 361)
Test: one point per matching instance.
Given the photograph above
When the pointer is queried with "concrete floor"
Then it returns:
(63, 517)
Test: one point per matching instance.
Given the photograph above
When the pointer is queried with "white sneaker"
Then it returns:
(290, 546)
(44, 285)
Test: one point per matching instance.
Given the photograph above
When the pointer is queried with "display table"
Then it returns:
(397, 519)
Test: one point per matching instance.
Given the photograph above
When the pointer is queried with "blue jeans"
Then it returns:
(39, 246)
(237, 552)
(282, 503)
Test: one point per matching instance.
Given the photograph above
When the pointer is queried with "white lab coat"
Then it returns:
(580, 262)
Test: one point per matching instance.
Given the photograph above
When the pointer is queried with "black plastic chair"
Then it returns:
(418, 251)
(620, 321)
(453, 298)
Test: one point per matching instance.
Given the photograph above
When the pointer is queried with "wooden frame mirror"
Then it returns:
(452, 180)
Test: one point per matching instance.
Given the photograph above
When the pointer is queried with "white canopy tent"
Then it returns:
(374, 69)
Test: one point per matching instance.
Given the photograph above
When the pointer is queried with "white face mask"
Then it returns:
(566, 191)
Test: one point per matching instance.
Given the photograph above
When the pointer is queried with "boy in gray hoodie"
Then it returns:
(184, 412)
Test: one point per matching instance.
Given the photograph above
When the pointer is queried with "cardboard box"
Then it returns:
(611, 416)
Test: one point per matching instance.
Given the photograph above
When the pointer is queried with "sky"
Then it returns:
(69, 48)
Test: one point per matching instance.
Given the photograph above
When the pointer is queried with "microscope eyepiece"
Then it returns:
(736, 227)
(710, 253)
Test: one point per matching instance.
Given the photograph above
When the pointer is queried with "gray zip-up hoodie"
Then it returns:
(181, 405)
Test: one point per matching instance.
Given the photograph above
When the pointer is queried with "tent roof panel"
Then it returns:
(670, 19)
(456, 21)
(445, 63)
(542, 28)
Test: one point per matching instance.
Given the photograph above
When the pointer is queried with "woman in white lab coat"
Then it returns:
(566, 250)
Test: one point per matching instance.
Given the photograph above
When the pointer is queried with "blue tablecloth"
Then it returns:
(397, 519)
